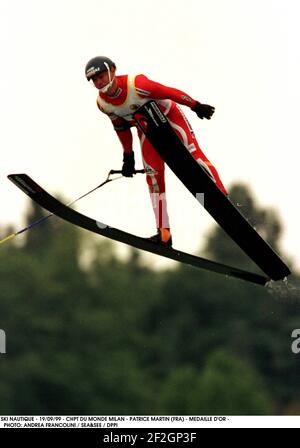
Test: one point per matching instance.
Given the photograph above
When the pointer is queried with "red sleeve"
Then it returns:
(145, 87)
(125, 139)
(122, 128)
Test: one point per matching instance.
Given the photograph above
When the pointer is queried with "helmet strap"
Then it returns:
(110, 82)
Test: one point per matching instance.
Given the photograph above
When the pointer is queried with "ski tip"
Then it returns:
(25, 183)
(12, 176)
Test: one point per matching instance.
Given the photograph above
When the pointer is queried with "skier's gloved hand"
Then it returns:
(128, 164)
(203, 110)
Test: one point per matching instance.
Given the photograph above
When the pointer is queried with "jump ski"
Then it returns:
(45, 200)
(196, 179)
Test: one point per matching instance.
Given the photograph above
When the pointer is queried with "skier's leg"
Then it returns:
(155, 169)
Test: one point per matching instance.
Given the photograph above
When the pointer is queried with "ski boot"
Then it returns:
(163, 237)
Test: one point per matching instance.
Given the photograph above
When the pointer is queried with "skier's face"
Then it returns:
(102, 79)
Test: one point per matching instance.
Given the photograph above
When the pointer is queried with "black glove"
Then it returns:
(203, 110)
(128, 164)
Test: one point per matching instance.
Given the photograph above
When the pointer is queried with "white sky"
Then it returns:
(241, 56)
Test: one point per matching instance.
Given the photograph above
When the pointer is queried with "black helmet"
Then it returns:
(97, 65)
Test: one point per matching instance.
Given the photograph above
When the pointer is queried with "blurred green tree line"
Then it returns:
(113, 337)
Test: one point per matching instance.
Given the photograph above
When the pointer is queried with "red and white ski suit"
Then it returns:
(133, 92)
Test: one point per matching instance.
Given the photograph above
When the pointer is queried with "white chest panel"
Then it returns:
(132, 102)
